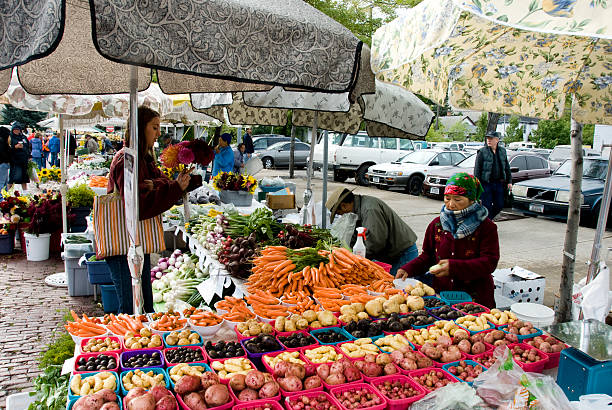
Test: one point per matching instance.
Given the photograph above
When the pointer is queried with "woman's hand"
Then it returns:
(183, 180)
(217, 149)
(19, 145)
(147, 185)
(441, 269)
(401, 274)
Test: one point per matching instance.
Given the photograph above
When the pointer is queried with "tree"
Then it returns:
(481, 128)
(434, 135)
(514, 132)
(10, 114)
(458, 132)
(551, 133)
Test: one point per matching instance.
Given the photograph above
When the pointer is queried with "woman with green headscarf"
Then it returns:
(461, 247)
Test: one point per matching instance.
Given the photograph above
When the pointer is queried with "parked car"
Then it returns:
(359, 152)
(277, 155)
(523, 165)
(264, 141)
(410, 171)
(451, 146)
(420, 144)
(564, 152)
(550, 196)
(334, 141)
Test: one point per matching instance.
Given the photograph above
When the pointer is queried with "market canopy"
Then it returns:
(79, 46)
(504, 56)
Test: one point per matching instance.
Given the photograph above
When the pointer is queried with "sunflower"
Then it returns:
(44, 172)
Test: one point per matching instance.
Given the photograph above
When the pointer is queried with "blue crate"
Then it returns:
(580, 374)
(333, 329)
(473, 363)
(110, 300)
(453, 297)
(87, 375)
(98, 271)
(434, 297)
(204, 365)
(521, 338)
(155, 370)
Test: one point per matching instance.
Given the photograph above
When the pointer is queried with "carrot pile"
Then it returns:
(169, 323)
(159, 315)
(362, 298)
(381, 285)
(352, 290)
(300, 302)
(84, 327)
(266, 305)
(191, 310)
(282, 271)
(205, 319)
(237, 310)
(121, 324)
(98, 181)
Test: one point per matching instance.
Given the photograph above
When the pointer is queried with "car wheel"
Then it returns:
(415, 185)
(360, 175)
(267, 162)
(339, 176)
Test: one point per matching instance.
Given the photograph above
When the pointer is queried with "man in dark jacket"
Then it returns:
(493, 170)
(247, 139)
(5, 157)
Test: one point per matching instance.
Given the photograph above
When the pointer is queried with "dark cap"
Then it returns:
(492, 134)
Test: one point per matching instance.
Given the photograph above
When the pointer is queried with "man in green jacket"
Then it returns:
(388, 238)
(493, 170)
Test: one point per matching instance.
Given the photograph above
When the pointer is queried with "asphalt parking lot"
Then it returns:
(535, 244)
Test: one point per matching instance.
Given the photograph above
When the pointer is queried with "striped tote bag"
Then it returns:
(110, 229)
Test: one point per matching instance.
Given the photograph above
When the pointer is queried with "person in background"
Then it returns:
(36, 153)
(156, 194)
(224, 155)
(91, 144)
(54, 149)
(239, 158)
(247, 138)
(107, 146)
(20, 156)
(5, 157)
(72, 146)
(493, 170)
(45, 149)
(461, 246)
(388, 238)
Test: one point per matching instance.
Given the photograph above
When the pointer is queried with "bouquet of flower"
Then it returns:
(187, 153)
(14, 208)
(45, 212)
(50, 174)
(230, 181)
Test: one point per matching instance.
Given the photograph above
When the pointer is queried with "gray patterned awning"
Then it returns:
(263, 42)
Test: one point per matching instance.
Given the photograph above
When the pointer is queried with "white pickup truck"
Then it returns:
(358, 152)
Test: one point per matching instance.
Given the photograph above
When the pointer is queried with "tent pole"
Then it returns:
(313, 142)
(324, 170)
(564, 311)
(292, 153)
(63, 187)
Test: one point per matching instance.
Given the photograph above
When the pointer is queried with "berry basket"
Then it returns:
(473, 363)
(361, 386)
(420, 372)
(535, 367)
(402, 403)
(311, 395)
(199, 348)
(459, 307)
(452, 297)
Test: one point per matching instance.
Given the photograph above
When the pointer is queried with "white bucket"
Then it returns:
(538, 315)
(37, 247)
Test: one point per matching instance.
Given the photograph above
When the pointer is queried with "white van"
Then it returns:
(334, 139)
(521, 144)
(358, 152)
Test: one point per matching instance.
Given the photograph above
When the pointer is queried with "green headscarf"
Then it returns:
(464, 184)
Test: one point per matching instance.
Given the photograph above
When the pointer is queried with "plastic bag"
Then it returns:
(343, 228)
(455, 396)
(595, 303)
(594, 402)
(272, 183)
(508, 387)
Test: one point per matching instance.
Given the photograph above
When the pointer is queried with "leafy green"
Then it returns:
(81, 196)
(51, 389)
(58, 351)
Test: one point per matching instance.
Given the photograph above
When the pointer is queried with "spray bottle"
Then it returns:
(360, 248)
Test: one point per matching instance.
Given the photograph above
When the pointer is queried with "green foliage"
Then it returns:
(81, 196)
(481, 127)
(514, 132)
(458, 132)
(58, 351)
(434, 135)
(27, 118)
(551, 133)
(51, 389)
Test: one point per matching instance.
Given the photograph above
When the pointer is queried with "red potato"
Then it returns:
(334, 379)
(254, 379)
(216, 395)
(280, 369)
(291, 383)
(237, 382)
(187, 384)
(158, 392)
(383, 359)
(248, 394)
(166, 403)
(110, 406)
(144, 402)
(312, 382)
(88, 402)
(432, 380)
(269, 390)
(352, 373)
(297, 370)
(208, 379)
(194, 401)
(135, 392)
(107, 395)
(465, 346)
(478, 348)
(389, 369)
(323, 371)
(486, 360)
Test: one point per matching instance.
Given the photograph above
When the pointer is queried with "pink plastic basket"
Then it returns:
(113, 338)
(440, 364)
(304, 349)
(407, 372)
(170, 364)
(179, 403)
(403, 403)
(298, 397)
(237, 401)
(484, 355)
(270, 355)
(459, 306)
(226, 381)
(226, 406)
(385, 266)
(328, 387)
(259, 405)
(354, 359)
(351, 387)
(214, 344)
(88, 355)
(535, 367)
(420, 372)
(369, 379)
(285, 393)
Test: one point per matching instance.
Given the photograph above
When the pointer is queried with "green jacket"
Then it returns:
(484, 164)
(387, 236)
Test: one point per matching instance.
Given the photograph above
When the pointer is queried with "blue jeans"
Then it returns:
(4, 174)
(409, 254)
(46, 158)
(38, 161)
(493, 197)
(122, 279)
(54, 159)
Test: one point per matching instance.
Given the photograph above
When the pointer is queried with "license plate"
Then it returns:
(375, 179)
(434, 190)
(536, 208)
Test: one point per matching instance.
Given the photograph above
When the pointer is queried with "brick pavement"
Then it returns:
(30, 311)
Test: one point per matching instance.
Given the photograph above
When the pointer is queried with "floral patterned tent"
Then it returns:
(504, 56)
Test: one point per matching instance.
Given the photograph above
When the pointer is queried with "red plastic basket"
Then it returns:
(369, 379)
(258, 401)
(403, 403)
(385, 266)
(440, 364)
(88, 355)
(226, 406)
(298, 397)
(214, 344)
(353, 386)
(420, 372)
(407, 372)
(270, 369)
(535, 367)
(170, 364)
(226, 381)
(553, 358)
(259, 405)
(113, 338)
(482, 355)
(304, 349)
(458, 306)
(285, 393)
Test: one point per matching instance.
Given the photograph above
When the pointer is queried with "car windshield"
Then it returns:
(418, 157)
(560, 154)
(469, 162)
(593, 168)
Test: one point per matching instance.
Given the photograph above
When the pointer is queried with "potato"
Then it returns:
(374, 308)
(310, 315)
(327, 318)
(347, 310)
(279, 324)
(358, 307)
(316, 324)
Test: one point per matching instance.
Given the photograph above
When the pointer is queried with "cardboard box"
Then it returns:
(280, 201)
(519, 284)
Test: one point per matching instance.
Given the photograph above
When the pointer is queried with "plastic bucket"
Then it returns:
(7, 243)
(238, 198)
(37, 247)
(538, 315)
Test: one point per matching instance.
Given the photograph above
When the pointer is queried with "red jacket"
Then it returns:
(472, 260)
(153, 202)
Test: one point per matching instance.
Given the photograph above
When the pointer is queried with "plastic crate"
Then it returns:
(362, 386)
(84, 341)
(7, 243)
(219, 358)
(403, 403)
(234, 396)
(110, 299)
(341, 331)
(256, 357)
(305, 349)
(88, 355)
(279, 335)
(354, 359)
(269, 369)
(298, 397)
(226, 381)
(452, 297)
(88, 375)
(553, 357)
(130, 353)
(199, 348)
(433, 297)
(535, 367)
(155, 370)
(473, 363)
(167, 346)
(580, 374)
(98, 271)
(368, 379)
(523, 337)
(78, 283)
(204, 365)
